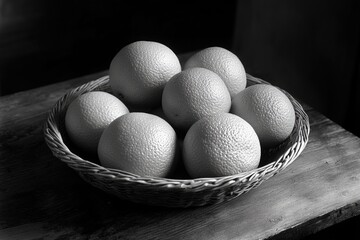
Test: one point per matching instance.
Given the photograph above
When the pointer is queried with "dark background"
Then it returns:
(309, 48)
(44, 41)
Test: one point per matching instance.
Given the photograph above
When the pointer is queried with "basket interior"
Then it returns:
(268, 156)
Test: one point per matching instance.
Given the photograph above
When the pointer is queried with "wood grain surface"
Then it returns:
(41, 198)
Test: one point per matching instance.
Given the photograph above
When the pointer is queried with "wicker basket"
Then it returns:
(163, 191)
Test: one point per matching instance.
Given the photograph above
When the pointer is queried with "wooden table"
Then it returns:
(40, 197)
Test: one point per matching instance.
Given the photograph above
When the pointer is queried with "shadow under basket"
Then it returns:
(164, 191)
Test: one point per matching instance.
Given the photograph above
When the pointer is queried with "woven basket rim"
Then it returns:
(54, 140)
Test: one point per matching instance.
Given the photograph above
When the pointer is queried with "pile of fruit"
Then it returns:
(160, 115)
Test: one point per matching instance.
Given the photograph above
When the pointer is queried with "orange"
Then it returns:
(224, 63)
(140, 70)
(139, 143)
(88, 115)
(268, 110)
(193, 94)
(220, 145)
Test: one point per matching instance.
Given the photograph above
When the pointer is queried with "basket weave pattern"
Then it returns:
(164, 191)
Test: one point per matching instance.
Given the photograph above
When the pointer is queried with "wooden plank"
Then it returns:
(40, 197)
